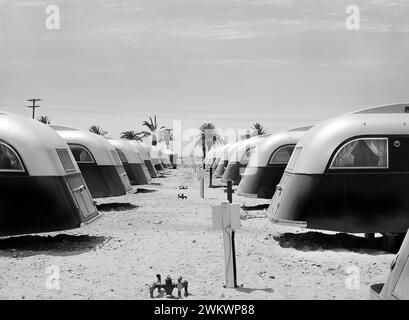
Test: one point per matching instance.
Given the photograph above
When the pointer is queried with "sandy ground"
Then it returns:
(149, 232)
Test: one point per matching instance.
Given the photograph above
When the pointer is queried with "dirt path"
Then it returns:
(152, 231)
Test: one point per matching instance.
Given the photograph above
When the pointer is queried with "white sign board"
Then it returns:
(226, 217)
(226, 214)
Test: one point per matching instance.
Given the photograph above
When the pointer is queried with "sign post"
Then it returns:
(230, 191)
(227, 218)
(211, 176)
(200, 177)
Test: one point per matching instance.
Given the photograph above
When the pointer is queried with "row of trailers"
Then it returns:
(50, 175)
(346, 174)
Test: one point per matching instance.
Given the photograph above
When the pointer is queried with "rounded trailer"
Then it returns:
(224, 158)
(240, 157)
(41, 186)
(143, 152)
(165, 158)
(153, 154)
(349, 174)
(218, 155)
(98, 161)
(267, 163)
(210, 157)
(172, 158)
(157, 152)
(134, 165)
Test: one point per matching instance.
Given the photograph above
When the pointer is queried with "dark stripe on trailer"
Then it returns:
(145, 172)
(262, 182)
(151, 168)
(220, 168)
(37, 204)
(141, 173)
(232, 172)
(135, 173)
(346, 202)
(215, 163)
(102, 181)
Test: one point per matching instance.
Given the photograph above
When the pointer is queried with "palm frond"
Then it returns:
(130, 135)
(208, 137)
(97, 130)
(44, 119)
(257, 129)
(144, 134)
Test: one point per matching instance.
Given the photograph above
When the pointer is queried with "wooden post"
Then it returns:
(227, 218)
(211, 177)
(229, 252)
(202, 187)
(230, 191)
(233, 248)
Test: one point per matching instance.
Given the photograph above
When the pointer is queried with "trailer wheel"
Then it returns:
(392, 242)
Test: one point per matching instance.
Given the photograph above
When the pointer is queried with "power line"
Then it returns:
(34, 100)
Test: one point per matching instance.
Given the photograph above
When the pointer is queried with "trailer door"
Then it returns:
(78, 187)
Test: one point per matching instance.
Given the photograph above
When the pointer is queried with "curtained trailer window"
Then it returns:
(65, 160)
(282, 155)
(9, 160)
(81, 154)
(362, 153)
(121, 156)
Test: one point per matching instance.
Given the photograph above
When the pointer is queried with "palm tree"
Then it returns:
(130, 135)
(257, 129)
(97, 130)
(155, 132)
(208, 137)
(44, 119)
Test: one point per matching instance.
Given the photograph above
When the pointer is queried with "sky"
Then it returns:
(283, 63)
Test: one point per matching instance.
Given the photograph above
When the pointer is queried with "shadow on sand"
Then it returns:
(142, 190)
(256, 208)
(250, 290)
(217, 186)
(317, 241)
(59, 245)
(116, 206)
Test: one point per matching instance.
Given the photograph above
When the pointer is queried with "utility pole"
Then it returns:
(34, 105)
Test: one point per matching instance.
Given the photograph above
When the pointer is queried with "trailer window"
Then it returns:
(247, 155)
(65, 160)
(366, 153)
(121, 156)
(81, 154)
(9, 160)
(282, 155)
(294, 158)
(116, 157)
